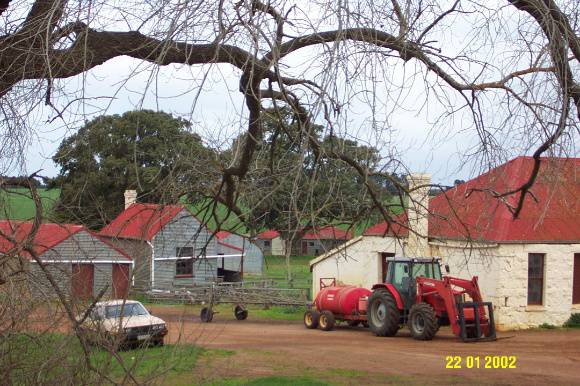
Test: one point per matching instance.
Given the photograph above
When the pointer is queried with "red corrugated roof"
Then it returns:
(48, 236)
(327, 233)
(141, 221)
(230, 246)
(469, 210)
(268, 234)
(222, 234)
(398, 227)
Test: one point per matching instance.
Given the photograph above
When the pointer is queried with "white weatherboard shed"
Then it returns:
(528, 267)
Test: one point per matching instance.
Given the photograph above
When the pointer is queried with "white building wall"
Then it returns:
(557, 296)
(503, 278)
(277, 247)
(359, 264)
(502, 271)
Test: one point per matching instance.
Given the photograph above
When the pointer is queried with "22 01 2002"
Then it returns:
(481, 362)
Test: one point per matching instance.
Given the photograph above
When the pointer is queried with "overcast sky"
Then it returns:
(217, 112)
(208, 96)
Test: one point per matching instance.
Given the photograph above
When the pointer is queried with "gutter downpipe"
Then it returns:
(152, 278)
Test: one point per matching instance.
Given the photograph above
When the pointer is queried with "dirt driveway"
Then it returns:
(265, 348)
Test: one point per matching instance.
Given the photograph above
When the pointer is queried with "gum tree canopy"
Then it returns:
(508, 69)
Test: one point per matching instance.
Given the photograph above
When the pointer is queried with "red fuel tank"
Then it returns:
(342, 300)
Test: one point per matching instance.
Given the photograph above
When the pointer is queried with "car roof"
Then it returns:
(116, 302)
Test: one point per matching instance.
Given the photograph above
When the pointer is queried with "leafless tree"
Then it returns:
(508, 71)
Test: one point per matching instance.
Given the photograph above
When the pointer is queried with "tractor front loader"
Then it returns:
(416, 294)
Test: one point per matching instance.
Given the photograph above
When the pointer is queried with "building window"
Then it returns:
(266, 243)
(576, 280)
(184, 267)
(184, 252)
(535, 278)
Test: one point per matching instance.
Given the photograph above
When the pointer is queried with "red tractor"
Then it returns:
(415, 294)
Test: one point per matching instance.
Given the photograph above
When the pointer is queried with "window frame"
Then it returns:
(576, 279)
(537, 278)
(187, 263)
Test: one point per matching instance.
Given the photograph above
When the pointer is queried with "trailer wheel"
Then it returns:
(383, 314)
(311, 319)
(326, 321)
(422, 321)
(241, 313)
(206, 315)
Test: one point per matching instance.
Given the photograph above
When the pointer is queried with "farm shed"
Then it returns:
(319, 240)
(170, 246)
(270, 242)
(232, 243)
(528, 267)
(81, 262)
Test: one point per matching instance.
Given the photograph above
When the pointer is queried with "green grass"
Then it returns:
(212, 213)
(17, 203)
(57, 358)
(275, 269)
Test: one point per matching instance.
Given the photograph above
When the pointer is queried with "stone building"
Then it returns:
(529, 267)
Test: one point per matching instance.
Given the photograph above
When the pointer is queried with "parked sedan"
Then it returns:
(123, 322)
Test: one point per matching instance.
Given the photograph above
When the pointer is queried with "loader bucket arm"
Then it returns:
(469, 320)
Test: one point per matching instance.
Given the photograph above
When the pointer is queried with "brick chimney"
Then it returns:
(418, 242)
(130, 198)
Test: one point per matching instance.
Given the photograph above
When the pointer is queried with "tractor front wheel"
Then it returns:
(311, 319)
(422, 321)
(326, 321)
(384, 316)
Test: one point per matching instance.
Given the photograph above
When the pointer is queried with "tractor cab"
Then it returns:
(402, 274)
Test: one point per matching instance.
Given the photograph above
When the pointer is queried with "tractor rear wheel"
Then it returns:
(311, 319)
(422, 321)
(384, 316)
(326, 321)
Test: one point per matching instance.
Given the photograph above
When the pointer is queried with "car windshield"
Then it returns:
(128, 309)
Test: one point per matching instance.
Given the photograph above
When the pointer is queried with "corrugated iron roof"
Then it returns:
(551, 213)
(327, 233)
(268, 234)
(47, 237)
(141, 221)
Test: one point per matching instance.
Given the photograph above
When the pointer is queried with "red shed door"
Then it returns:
(576, 280)
(120, 281)
(82, 281)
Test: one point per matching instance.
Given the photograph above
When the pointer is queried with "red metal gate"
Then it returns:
(82, 280)
(120, 281)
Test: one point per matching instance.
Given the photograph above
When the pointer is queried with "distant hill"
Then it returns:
(211, 213)
(17, 203)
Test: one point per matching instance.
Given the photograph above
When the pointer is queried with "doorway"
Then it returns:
(82, 280)
(385, 265)
(120, 279)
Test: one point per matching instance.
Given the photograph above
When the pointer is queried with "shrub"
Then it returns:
(573, 321)
(547, 326)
